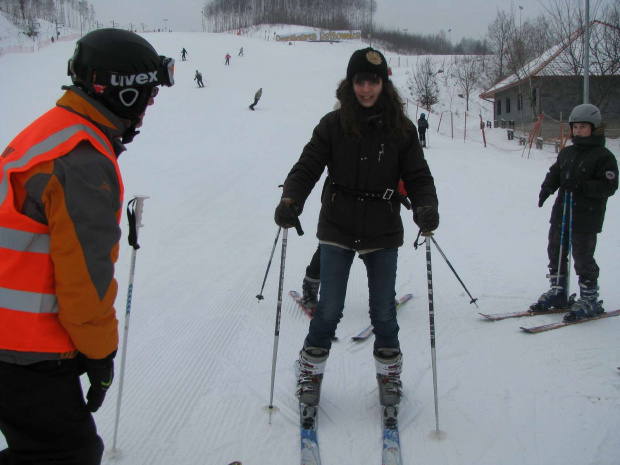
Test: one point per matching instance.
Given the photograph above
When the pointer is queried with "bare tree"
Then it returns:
(567, 24)
(466, 72)
(499, 34)
(422, 83)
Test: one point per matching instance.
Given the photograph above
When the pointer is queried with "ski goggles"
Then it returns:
(162, 76)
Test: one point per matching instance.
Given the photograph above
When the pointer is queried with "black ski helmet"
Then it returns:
(119, 68)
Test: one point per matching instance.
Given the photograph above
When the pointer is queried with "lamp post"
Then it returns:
(586, 57)
(450, 39)
(165, 24)
(520, 11)
(370, 35)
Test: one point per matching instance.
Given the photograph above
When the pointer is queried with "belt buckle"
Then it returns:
(387, 195)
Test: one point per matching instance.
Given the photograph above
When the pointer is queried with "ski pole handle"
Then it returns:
(139, 208)
(300, 232)
(134, 215)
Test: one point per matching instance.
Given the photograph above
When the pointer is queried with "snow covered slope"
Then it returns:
(200, 344)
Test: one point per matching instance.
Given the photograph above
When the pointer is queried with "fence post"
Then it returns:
(465, 129)
(452, 123)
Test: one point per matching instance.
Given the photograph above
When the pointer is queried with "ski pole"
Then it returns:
(134, 215)
(437, 433)
(260, 295)
(557, 280)
(271, 408)
(570, 243)
(472, 301)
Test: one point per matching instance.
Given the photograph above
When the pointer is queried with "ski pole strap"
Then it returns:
(133, 230)
(417, 242)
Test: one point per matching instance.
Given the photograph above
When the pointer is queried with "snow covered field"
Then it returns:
(200, 345)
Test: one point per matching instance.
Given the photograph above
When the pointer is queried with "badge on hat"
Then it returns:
(373, 57)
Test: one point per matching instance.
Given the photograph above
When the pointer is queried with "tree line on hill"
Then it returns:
(74, 14)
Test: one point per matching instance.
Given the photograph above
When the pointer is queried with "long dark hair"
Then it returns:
(389, 104)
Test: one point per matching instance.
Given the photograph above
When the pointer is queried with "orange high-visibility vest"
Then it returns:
(28, 305)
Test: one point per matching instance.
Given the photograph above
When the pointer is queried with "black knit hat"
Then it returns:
(367, 60)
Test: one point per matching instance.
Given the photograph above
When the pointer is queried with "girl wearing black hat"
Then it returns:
(367, 145)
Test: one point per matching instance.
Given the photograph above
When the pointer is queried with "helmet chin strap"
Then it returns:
(130, 133)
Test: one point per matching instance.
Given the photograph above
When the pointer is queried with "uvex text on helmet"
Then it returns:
(119, 68)
(586, 113)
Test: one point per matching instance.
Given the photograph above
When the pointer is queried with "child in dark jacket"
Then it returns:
(586, 174)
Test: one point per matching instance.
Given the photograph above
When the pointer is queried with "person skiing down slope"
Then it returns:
(586, 174)
(257, 96)
(367, 145)
(422, 127)
(63, 191)
(183, 54)
(198, 79)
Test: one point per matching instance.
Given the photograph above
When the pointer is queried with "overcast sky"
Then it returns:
(466, 18)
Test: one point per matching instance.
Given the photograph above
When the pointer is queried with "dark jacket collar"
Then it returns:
(587, 142)
(79, 102)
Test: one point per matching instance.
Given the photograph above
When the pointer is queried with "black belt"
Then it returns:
(386, 195)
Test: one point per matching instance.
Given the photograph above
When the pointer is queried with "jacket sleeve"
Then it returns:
(605, 180)
(315, 156)
(416, 174)
(83, 206)
(552, 179)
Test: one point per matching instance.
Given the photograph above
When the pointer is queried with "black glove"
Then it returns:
(427, 218)
(545, 192)
(572, 185)
(100, 374)
(285, 216)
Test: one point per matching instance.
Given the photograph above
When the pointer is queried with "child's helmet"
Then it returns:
(119, 68)
(422, 115)
(586, 113)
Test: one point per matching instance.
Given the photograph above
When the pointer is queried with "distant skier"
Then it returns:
(586, 173)
(257, 96)
(240, 52)
(227, 58)
(422, 127)
(183, 54)
(198, 78)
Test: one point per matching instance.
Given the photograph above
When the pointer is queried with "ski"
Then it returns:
(391, 440)
(367, 331)
(308, 423)
(529, 312)
(562, 324)
(297, 296)
(309, 441)
(504, 316)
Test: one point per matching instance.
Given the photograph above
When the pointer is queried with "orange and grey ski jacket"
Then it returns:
(61, 196)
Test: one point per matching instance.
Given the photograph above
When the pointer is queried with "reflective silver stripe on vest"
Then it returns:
(44, 146)
(29, 302)
(23, 241)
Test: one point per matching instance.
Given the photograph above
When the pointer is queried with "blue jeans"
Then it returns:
(335, 267)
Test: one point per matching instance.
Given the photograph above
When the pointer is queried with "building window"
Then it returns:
(499, 107)
(507, 105)
(534, 96)
(519, 102)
